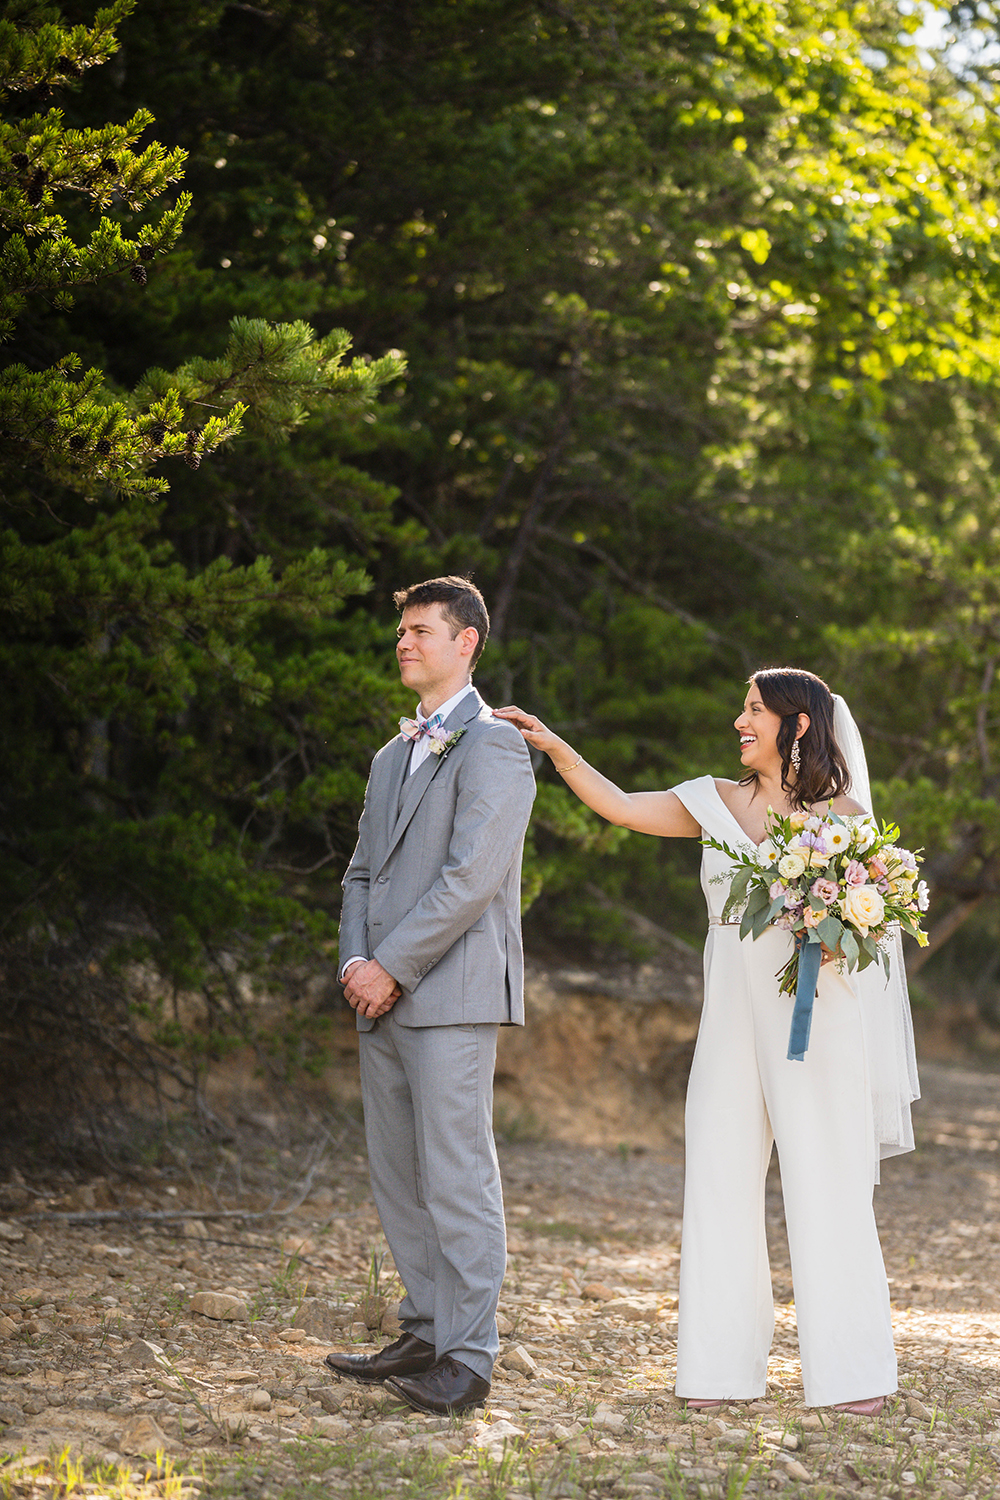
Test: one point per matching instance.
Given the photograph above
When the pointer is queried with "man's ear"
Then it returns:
(469, 638)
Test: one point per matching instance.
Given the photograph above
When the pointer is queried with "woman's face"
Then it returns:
(758, 728)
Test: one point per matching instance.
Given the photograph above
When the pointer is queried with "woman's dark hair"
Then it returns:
(822, 769)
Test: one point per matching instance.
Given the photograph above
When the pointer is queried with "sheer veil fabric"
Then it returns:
(885, 1003)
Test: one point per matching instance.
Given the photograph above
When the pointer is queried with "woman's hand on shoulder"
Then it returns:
(531, 726)
(661, 813)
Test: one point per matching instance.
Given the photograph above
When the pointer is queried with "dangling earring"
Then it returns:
(795, 756)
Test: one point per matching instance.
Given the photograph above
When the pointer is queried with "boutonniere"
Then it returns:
(442, 741)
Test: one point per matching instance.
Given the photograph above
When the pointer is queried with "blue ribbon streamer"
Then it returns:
(810, 959)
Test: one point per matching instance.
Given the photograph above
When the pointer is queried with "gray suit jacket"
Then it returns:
(433, 890)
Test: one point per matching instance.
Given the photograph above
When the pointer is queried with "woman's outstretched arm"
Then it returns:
(661, 813)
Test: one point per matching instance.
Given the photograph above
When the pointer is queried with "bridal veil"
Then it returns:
(885, 1002)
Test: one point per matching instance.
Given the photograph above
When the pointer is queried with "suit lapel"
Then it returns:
(396, 774)
(416, 785)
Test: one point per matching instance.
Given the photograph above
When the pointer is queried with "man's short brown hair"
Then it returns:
(461, 604)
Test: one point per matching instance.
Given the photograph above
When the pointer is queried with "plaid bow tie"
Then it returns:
(413, 729)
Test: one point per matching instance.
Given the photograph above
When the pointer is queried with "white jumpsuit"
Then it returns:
(743, 1096)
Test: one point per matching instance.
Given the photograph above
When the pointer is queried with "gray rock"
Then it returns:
(220, 1306)
(519, 1360)
(330, 1397)
(321, 1319)
(331, 1427)
(606, 1420)
(390, 1326)
(632, 1309)
(145, 1352)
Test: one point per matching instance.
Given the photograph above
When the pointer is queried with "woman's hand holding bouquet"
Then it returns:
(837, 884)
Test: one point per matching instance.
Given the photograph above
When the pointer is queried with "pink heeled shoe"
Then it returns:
(870, 1408)
(698, 1403)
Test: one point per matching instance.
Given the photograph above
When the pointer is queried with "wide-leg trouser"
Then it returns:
(428, 1100)
(743, 1096)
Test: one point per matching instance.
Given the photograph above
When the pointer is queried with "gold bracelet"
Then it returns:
(563, 769)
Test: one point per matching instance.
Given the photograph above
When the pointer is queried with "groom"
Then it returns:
(431, 929)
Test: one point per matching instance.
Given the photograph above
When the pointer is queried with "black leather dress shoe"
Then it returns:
(448, 1386)
(407, 1356)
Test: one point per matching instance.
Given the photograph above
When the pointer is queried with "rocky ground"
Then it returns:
(120, 1377)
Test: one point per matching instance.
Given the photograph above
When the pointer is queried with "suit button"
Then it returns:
(382, 880)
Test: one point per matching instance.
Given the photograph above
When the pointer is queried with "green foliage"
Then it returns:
(699, 308)
(173, 671)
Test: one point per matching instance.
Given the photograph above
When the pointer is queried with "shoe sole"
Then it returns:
(369, 1379)
(434, 1411)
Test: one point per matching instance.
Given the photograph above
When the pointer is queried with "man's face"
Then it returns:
(430, 655)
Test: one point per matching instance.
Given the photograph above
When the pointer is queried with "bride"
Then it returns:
(831, 1115)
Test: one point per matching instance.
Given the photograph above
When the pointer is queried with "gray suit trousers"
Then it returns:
(428, 1101)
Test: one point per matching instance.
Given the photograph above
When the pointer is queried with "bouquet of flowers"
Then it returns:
(837, 884)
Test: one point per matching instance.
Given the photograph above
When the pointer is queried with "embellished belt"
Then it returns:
(729, 922)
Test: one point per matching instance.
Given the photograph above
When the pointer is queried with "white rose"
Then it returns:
(863, 907)
(865, 833)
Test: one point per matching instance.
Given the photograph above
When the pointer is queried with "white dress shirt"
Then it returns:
(419, 751)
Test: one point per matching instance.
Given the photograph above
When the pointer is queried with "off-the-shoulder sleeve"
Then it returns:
(702, 800)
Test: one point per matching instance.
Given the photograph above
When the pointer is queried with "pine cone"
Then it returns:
(138, 273)
(109, 164)
(48, 424)
(158, 432)
(19, 160)
(36, 187)
(103, 447)
(192, 437)
(193, 460)
(146, 252)
(78, 440)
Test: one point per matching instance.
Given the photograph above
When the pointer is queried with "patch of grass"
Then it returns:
(560, 1229)
(517, 1126)
(62, 1475)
